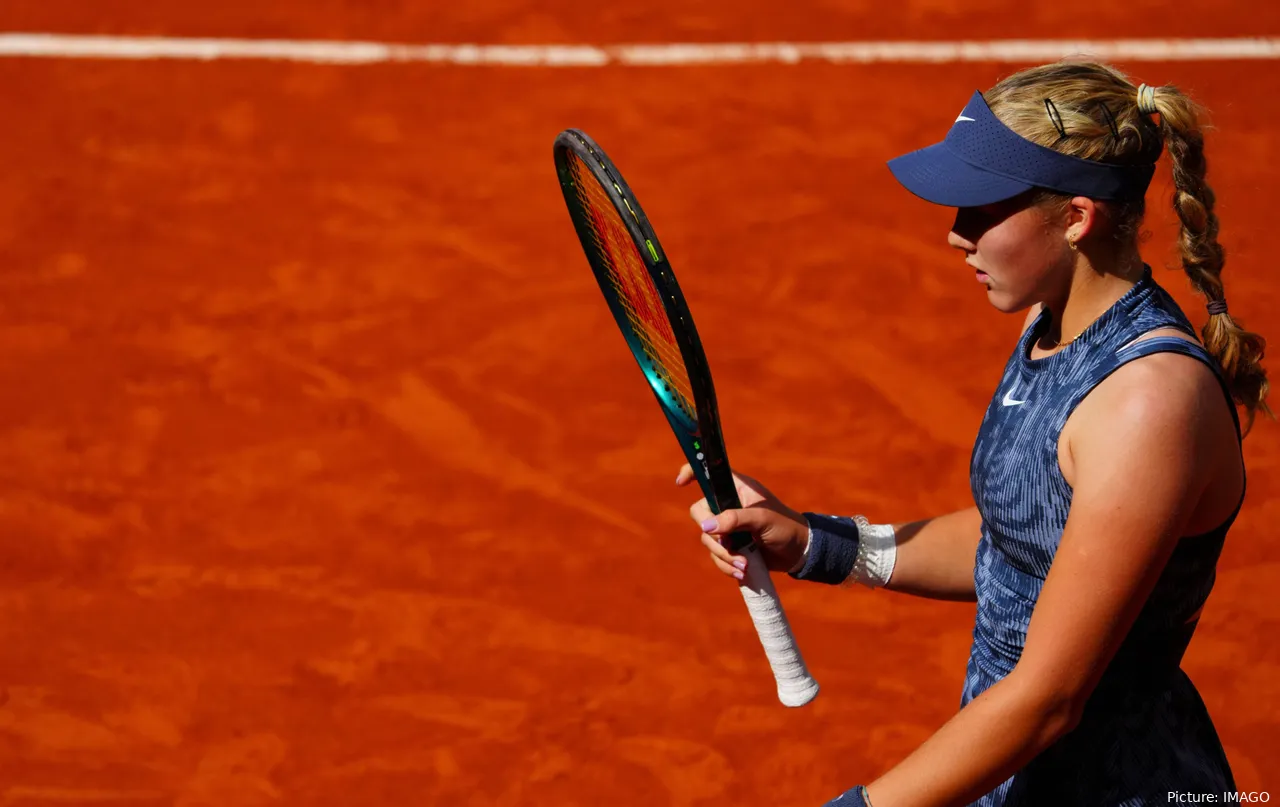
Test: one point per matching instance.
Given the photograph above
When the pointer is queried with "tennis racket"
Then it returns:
(632, 271)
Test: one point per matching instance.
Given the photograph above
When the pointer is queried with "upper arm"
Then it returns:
(1139, 459)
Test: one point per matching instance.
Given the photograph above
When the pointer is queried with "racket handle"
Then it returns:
(796, 686)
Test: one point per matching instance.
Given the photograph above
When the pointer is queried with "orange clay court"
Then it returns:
(328, 480)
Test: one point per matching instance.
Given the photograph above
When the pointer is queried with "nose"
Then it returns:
(961, 243)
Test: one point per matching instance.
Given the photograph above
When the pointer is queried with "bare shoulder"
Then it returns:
(1165, 404)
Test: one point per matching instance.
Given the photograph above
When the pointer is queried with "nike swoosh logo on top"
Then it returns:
(962, 116)
(1008, 400)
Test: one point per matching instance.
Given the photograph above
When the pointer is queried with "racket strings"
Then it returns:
(633, 286)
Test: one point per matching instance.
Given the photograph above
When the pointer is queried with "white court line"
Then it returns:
(68, 46)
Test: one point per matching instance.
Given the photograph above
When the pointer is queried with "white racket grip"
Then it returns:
(796, 686)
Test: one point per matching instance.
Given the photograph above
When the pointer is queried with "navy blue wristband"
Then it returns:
(857, 797)
(833, 547)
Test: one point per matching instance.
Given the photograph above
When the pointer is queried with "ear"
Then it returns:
(1083, 218)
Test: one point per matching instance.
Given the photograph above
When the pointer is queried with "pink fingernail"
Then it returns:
(740, 563)
(709, 525)
(738, 575)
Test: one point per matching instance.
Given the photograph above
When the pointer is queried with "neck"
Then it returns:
(1093, 287)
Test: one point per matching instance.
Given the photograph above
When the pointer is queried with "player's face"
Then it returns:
(1017, 250)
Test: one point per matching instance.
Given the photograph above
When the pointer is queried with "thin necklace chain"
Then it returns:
(1074, 338)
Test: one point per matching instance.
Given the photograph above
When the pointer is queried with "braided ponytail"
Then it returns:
(1239, 352)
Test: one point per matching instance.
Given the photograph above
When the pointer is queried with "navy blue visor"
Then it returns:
(982, 161)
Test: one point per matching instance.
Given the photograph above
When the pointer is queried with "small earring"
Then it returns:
(1074, 246)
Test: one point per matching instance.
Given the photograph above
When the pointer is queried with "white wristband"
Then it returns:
(877, 554)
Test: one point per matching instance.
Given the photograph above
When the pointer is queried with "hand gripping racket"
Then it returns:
(646, 302)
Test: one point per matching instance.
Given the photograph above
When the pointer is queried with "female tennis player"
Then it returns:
(1105, 474)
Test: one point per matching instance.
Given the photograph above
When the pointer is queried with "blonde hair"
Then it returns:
(1097, 108)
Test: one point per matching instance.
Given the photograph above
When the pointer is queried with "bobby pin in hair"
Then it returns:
(1111, 120)
(1055, 118)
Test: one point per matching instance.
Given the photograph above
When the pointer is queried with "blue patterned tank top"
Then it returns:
(1145, 731)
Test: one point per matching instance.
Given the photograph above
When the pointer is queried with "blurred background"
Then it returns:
(326, 479)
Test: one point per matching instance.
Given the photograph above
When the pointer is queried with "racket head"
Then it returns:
(640, 286)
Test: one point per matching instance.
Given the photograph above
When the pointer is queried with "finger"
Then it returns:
(746, 485)
(725, 560)
(700, 511)
(751, 520)
(685, 476)
(725, 568)
(720, 559)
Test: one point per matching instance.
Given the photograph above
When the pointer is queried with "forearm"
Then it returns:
(930, 558)
(935, 556)
(988, 741)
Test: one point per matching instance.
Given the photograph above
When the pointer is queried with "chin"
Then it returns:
(1004, 302)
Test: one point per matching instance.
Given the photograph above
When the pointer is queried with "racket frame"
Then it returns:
(702, 440)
